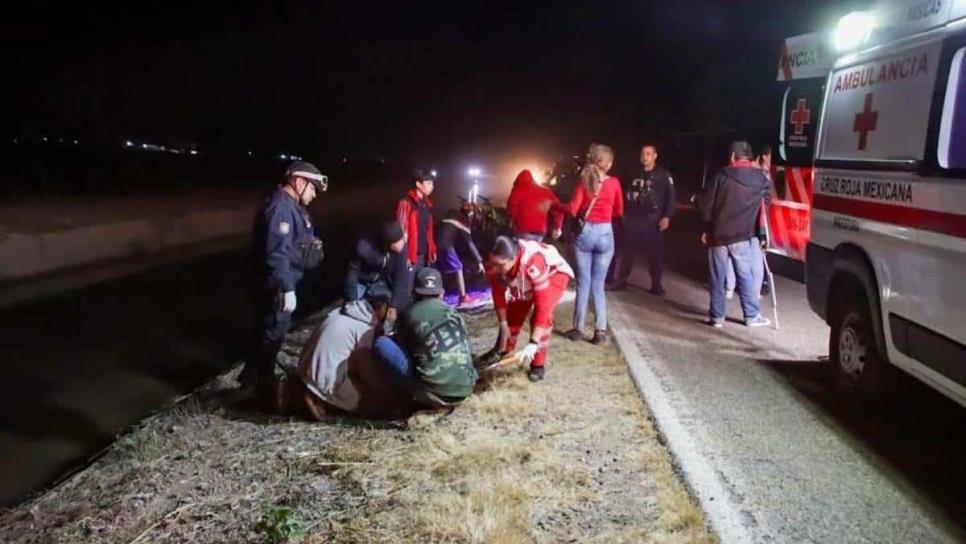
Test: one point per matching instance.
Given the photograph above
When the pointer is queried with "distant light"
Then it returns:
(144, 146)
(345, 160)
(283, 156)
(193, 152)
(432, 173)
(129, 143)
(76, 142)
(474, 171)
(853, 30)
(44, 138)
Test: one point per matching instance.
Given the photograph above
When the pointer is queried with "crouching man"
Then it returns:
(525, 275)
(429, 357)
(337, 372)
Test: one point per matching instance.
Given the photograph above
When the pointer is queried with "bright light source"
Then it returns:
(283, 156)
(432, 173)
(76, 142)
(129, 143)
(853, 30)
(249, 153)
(144, 146)
(193, 152)
(474, 171)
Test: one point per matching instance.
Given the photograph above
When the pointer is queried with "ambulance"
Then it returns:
(803, 66)
(886, 260)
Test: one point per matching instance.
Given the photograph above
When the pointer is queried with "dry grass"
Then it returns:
(572, 459)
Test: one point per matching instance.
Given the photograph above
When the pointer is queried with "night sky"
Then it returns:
(398, 79)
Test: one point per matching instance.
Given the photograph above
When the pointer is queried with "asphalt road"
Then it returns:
(797, 462)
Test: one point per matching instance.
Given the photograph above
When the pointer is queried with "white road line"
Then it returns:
(705, 482)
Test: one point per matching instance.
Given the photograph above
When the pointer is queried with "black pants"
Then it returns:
(269, 330)
(640, 239)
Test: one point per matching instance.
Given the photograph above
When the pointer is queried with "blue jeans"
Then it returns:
(743, 256)
(757, 268)
(594, 249)
(396, 361)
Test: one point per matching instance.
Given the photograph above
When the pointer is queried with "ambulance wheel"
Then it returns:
(857, 367)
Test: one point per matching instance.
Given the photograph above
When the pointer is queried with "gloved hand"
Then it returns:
(527, 354)
(288, 302)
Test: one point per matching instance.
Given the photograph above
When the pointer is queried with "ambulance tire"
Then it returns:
(857, 369)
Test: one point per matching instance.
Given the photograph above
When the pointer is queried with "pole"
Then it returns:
(771, 277)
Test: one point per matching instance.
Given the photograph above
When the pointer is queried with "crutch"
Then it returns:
(771, 277)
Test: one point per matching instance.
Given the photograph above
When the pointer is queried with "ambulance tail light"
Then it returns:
(853, 30)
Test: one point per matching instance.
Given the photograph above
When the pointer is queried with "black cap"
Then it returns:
(741, 149)
(308, 172)
(420, 175)
(428, 282)
(391, 233)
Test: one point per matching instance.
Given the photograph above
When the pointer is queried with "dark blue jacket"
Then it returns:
(731, 203)
(371, 263)
(282, 231)
(649, 196)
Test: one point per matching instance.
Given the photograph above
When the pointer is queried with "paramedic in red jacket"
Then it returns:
(528, 206)
(523, 275)
(415, 215)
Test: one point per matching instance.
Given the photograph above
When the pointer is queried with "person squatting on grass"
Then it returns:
(455, 232)
(597, 201)
(524, 274)
(429, 357)
(337, 372)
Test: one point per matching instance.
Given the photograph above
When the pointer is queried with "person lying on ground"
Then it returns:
(337, 373)
(379, 268)
(455, 232)
(429, 356)
(523, 275)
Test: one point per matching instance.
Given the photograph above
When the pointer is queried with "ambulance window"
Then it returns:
(952, 129)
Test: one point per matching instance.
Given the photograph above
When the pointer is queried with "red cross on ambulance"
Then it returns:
(865, 122)
(801, 116)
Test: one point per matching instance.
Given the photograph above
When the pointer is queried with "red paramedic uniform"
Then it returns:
(538, 280)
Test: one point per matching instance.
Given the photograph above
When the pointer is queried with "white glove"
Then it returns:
(288, 305)
(527, 354)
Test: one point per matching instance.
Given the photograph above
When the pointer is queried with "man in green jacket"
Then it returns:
(430, 352)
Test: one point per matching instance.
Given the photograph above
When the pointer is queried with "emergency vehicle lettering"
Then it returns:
(886, 72)
(890, 191)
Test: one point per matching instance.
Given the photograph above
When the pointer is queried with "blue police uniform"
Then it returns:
(648, 197)
(284, 247)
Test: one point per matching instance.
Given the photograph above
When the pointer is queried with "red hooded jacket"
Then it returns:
(529, 204)
(407, 214)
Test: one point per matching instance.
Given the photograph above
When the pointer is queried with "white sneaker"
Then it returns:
(758, 321)
(716, 324)
(730, 294)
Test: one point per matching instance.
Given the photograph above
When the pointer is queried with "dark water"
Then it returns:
(82, 366)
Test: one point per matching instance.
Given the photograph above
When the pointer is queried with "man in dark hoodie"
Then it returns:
(730, 206)
(455, 232)
(380, 268)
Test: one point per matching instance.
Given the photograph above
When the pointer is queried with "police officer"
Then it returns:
(284, 247)
(649, 206)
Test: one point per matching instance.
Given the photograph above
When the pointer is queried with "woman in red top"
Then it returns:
(597, 200)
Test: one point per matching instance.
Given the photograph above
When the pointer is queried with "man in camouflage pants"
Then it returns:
(430, 352)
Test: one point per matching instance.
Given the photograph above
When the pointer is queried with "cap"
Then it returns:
(428, 282)
(308, 172)
(741, 149)
(391, 233)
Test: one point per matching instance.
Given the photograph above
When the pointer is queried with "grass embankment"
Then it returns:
(572, 459)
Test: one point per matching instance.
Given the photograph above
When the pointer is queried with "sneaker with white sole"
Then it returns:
(730, 294)
(758, 321)
(715, 323)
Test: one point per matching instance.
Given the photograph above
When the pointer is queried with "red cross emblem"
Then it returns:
(801, 116)
(865, 122)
